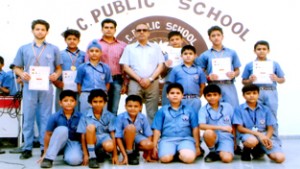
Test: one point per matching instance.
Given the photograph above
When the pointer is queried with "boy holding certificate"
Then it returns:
(72, 57)
(37, 63)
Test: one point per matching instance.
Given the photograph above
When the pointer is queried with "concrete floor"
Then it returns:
(290, 146)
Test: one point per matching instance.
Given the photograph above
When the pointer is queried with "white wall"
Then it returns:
(271, 20)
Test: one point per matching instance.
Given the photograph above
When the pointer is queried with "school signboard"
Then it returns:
(243, 22)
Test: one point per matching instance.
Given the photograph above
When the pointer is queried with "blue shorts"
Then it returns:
(170, 146)
(101, 138)
(139, 137)
(276, 144)
(224, 142)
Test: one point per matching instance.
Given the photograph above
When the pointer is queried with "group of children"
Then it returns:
(175, 131)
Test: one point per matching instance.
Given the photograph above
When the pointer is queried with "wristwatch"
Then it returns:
(151, 79)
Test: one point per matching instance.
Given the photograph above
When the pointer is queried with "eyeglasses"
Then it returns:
(141, 30)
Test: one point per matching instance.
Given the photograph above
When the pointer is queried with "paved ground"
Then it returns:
(291, 148)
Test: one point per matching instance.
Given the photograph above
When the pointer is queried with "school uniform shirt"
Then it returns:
(248, 71)
(261, 117)
(205, 59)
(2, 75)
(93, 77)
(141, 124)
(143, 60)
(71, 58)
(189, 77)
(222, 117)
(59, 119)
(32, 55)
(9, 82)
(104, 125)
(175, 123)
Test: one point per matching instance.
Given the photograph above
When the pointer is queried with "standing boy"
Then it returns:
(173, 58)
(191, 77)
(72, 58)
(221, 65)
(175, 129)
(255, 123)
(38, 54)
(268, 89)
(61, 135)
(143, 62)
(97, 130)
(215, 118)
(133, 129)
(93, 74)
(11, 83)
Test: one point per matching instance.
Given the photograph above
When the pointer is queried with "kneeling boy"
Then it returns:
(255, 123)
(176, 125)
(61, 133)
(132, 127)
(216, 119)
(97, 130)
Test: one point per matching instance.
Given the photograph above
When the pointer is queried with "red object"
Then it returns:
(9, 102)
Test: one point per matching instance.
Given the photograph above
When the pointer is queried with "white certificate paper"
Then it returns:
(69, 80)
(262, 70)
(39, 77)
(221, 66)
(174, 54)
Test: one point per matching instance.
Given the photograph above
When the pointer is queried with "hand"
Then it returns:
(25, 76)
(213, 77)
(265, 140)
(53, 77)
(231, 75)
(226, 128)
(154, 154)
(274, 77)
(85, 160)
(19, 80)
(124, 161)
(115, 160)
(59, 84)
(41, 159)
(168, 63)
(148, 156)
(198, 151)
(252, 78)
(145, 83)
(124, 89)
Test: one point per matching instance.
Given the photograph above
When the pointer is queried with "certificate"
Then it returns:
(174, 54)
(69, 80)
(262, 70)
(39, 77)
(220, 67)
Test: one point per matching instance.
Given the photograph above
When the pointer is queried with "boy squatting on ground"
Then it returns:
(176, 125)
(215, 118)
(255, 123)
(97, 131)
(133, 130)
(61, 135)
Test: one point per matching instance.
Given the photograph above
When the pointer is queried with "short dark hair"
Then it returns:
(40, 21)
(97, 93)
(262, 42)
(174, 33)
(135, 98)
(69, 32)
(250, 87)
(175, 85)
(188, 47)
(66, 93)
(1, 60)
(211, 88)
(214, 28)
(108, 20)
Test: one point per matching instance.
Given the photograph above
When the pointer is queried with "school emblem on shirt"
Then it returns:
(226, 119)
(196, 77)
(102, 76)
(185, 118)
(262, 121)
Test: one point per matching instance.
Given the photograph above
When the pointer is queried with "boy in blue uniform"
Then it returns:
(268, 91)
(132, 128)
(11, 83)
(97, 130)
(207, 59)
(216, 119)
(72, 58)
(191, 77)
(255, 123)
(2, 75)
(61, 133)
(175, 129)
(36, 102)
(93, 74)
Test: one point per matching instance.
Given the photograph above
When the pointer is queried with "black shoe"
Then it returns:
(246, 154)
(238, 151)
(133, 159)
(17, 150)
(2, 151)
(202, 152)
(101, 155)
(25, 154)
(46, 163)
(257, 152)
(211, 157)
(93, 163)
(36, 144)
